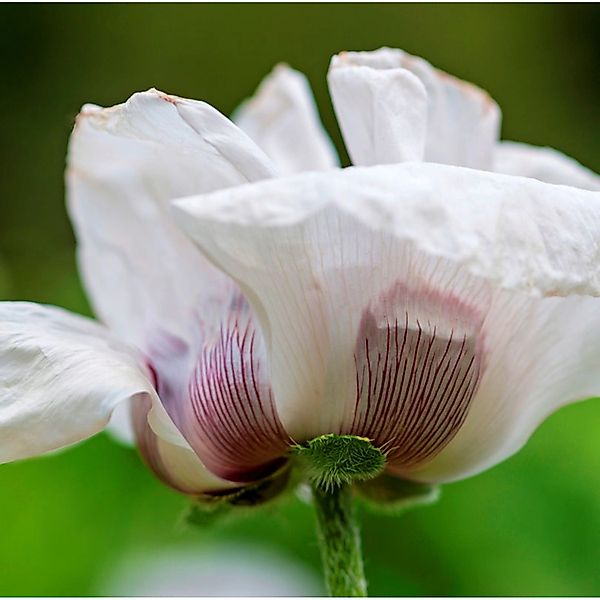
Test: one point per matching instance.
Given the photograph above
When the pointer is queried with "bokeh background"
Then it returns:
(530, 526)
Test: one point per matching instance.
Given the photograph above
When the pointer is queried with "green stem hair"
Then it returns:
(339, 539)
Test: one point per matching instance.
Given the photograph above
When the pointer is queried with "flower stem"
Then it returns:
(339, 539)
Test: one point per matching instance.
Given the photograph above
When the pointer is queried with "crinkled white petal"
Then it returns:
(463, 122)
(315, 253)
(282, 118)
(61, 377)
(125, 163)
(516, 232)
(382, 112)
(545, 164)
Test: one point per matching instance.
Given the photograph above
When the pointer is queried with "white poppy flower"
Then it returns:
(419, 299)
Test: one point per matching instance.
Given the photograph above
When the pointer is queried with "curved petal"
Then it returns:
(125, 163)
(462, 122)
(409, 259)
(222, 403)
(120, 426)
(545, 164)
(382, 112)
(154, 286)
(544, 353)
(175, 464)
(282, 118)
(61, 377)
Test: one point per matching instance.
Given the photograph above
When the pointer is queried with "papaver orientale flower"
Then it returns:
(440, 297)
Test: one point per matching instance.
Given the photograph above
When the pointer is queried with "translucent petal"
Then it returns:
(125, 164)
(282, 119)
(379, 95)
(382, 112)
(545, 164)
(61, 377)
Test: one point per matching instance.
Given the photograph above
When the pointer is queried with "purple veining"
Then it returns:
(419, 357)
(415, 381)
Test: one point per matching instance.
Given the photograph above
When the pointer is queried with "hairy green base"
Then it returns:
(332, 460)
(337, 467)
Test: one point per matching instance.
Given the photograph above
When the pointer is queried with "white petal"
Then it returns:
(382, 112)
(120, 426)
(282, 118)
(61, 377)
(125, 163)
(545, 164)
(171, 458)
(544, 353)
(222, 404)
(315, 253)
(463, 122)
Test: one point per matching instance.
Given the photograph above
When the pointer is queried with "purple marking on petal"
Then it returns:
(225, 410)
(239, 435)
(416, 373)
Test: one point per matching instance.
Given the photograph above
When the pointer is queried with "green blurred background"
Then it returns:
(530, 526)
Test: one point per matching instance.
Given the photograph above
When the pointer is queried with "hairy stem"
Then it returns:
(339, 539)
